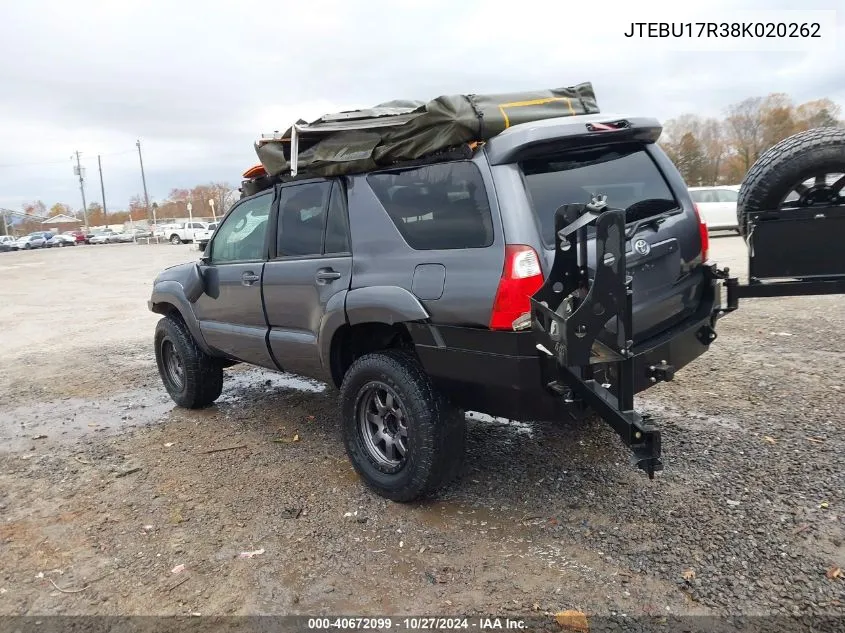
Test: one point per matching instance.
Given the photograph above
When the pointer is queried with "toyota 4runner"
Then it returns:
(408, 288)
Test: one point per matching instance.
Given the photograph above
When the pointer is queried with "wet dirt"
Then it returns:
(125, 488)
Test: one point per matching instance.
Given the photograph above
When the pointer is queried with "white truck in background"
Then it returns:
(202, 237)
(183, 232)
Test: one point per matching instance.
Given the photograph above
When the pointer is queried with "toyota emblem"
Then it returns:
(642, 247)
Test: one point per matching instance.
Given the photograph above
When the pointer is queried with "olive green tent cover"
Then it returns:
(398, 131)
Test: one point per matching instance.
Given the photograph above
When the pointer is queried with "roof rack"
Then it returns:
(399, 131)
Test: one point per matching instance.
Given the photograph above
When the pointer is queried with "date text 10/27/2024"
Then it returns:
(761, 30)
(417, 624)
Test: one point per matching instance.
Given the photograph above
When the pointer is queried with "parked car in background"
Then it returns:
(121, 238)
(27, 242)
(139, 232)
(202, 237)
(60, 239)
(186, 232)
(100, 236)
(78, 236)
(7, 242)
(717, 206)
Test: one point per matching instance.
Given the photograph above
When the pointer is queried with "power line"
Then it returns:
(61, 162)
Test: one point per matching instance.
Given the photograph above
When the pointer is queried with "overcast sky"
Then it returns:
(197, 82)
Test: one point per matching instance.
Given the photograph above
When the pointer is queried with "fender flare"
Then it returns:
(383, 304)
(172, 293)
(375, 304)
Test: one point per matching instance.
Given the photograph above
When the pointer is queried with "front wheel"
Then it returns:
(401, 435)
(192, 378)
(175, 239)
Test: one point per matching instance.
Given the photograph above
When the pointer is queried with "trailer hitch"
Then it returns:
(570, 316)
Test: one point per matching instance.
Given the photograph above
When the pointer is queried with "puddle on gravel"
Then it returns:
(73, 418)
(241, 381)
(70, 419)
(518, 428)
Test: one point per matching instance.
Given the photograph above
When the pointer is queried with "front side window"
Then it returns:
(442, 206)
(242, 233)
(626, 174)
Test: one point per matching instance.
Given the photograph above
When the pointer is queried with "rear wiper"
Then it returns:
(653, 221)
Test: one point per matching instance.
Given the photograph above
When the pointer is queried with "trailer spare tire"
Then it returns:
(803, 170)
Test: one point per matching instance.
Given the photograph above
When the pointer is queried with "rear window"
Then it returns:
(441, 206)
(625, 174)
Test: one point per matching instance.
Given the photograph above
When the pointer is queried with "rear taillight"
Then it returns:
(705, 235)
(521, 278)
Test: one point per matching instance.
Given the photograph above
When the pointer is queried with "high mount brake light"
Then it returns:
(521, 278)
(610, 126)
(703, 233)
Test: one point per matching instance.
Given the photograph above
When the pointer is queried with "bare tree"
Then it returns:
(744, 124)
(715, 148)
(777, 118)
(818, 113)
(697, 145)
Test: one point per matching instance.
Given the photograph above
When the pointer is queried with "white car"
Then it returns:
(100, 237)
(717, 206)
(28, 242)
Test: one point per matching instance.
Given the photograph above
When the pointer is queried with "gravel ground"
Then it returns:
(106, 490)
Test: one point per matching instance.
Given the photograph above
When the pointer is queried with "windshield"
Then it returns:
(626, 174)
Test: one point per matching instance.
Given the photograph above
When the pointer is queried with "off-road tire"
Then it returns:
(780, 168)
(436, 429)
(175, 239)
(202, 374)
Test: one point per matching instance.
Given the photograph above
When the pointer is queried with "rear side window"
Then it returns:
(302, 218)
(441, 206)
(728, 195)
(625, 174)
(337, 231)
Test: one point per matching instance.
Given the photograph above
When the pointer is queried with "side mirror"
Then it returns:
(195, 284)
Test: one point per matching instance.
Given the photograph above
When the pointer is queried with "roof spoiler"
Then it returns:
(552, 137)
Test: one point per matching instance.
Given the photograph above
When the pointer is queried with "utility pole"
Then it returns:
(78, 171)
(5, 226)
(143, 179)
(103, 192)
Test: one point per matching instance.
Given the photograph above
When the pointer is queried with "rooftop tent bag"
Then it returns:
(363, 140)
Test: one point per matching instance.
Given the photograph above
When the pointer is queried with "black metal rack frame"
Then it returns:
(792, 252)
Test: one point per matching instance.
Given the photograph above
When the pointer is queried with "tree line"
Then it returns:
(719, 151)
(173, 206)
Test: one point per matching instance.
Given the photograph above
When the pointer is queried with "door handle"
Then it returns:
(249, 278)
(326, 275)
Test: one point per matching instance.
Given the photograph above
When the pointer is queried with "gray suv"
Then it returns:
(407, 288)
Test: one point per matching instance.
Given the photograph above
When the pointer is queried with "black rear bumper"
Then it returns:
(504, 374)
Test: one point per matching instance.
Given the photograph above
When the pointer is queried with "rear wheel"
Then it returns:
(402, 436)
(804, 170)
(192, 378)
